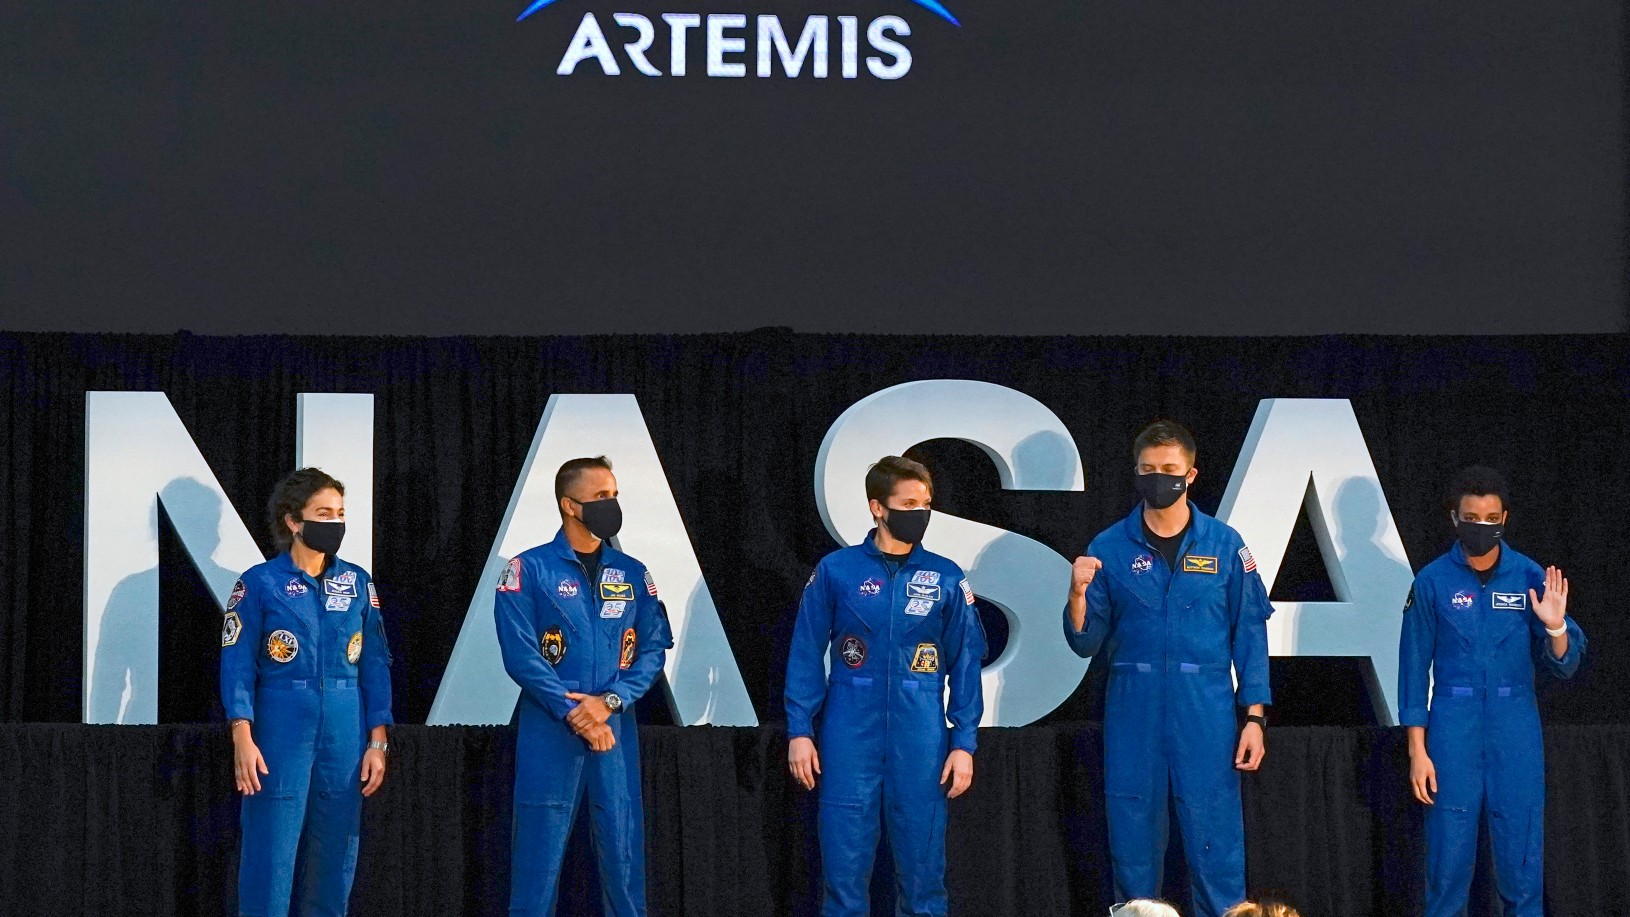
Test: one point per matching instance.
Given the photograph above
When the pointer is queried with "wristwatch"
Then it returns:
(382, 746)
(1258, 719)
(614, 701)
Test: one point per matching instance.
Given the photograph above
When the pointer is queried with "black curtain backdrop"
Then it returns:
(121, 820)
(143, 819)
(737, 421)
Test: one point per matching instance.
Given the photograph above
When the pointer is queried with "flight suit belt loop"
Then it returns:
(1183, 668)
(301, 684)
(1491, 691)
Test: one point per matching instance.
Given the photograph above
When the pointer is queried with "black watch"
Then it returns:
(1258, 719)
(614, 701)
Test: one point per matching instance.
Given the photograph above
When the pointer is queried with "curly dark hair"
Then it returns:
(289, 498)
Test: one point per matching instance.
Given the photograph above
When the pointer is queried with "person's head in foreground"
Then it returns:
(1264, 909)
(1143, 907)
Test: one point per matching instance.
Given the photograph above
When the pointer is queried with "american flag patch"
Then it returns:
(373, 597)
(967, 592)
(1246, 558)
(650, 583)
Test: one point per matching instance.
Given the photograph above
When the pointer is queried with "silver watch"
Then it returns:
(382, 746)
(614, 701)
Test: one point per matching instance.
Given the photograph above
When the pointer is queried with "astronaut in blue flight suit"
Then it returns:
(584, 635)
(899, 622)
(1174, 599)
(305, 680)
(1478, 618)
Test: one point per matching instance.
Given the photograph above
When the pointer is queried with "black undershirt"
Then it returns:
(590, 562)
(1167, 546)
(1483, 576)
(895, 561)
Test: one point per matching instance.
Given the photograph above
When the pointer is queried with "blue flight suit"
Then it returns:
(1169, 724)
(894, 639)
(1482, 731)
(561, 632)
(305, 658)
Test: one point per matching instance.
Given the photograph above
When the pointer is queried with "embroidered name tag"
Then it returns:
(1196, 564)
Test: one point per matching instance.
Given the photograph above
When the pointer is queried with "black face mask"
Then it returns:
(1160, 490)
(603, 518)
(322, 536)
(907, 525)
(1479, 538)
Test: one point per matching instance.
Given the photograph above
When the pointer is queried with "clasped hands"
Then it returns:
(588, 720)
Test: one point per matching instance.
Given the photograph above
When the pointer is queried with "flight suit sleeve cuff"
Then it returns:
(799, 727)
(1254, 694)
(1412, 716)
(967, 741)
(240, 710)
(561, 706)
(380, 719)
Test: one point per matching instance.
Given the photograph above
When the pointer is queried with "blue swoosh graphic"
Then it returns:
(933, 6)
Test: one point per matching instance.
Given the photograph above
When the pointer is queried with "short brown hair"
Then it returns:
(289, 498)
(572, 470)
(1164, 433)
(891, 470)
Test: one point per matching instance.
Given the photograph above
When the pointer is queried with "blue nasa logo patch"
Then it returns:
(1463, 600)
(567, 589)
(294, 588)
(1142, 564)
(871, 587)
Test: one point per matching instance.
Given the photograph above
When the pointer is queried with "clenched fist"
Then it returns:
(1082, 572)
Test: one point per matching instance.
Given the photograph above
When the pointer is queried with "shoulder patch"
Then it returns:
(650, 583)
(1409, 601)
(373, 597)
(967, 593)
(231, 627)
(510, 579)
(239, 590)
(1246, 559)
